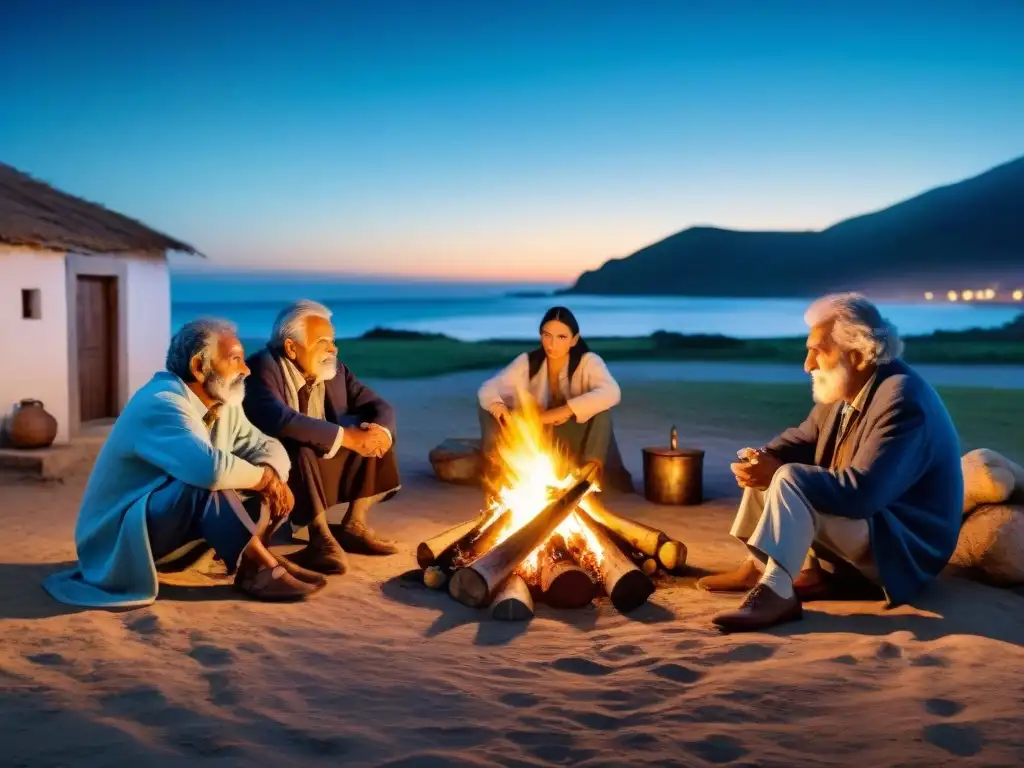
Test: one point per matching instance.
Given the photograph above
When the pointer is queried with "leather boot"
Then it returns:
(357, 537)
(323, 554)
(762, 608)
(274, 585)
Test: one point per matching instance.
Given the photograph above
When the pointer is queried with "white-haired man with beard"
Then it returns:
(182, 465)
(871, 479)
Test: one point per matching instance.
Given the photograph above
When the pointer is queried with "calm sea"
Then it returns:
(486, 311)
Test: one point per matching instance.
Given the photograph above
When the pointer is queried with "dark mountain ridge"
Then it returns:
(971, 228)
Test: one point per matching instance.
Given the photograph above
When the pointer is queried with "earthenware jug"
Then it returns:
(31, 426)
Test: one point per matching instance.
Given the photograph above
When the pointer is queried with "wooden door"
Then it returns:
(96, 308)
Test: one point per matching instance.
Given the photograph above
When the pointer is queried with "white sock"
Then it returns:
(777, 580)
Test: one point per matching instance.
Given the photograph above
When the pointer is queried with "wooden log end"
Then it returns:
(434, 577)
(649, 566)
(571, 588)
(424, 557)
(469, 588)
(511, 609)
(672, 555)
(513, 601)
(631, 591)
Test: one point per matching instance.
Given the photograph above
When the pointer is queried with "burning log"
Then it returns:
(428, 551)
(476, 584)
(475, 542)
(513, 601)
(564, 583)
(648, 540)
(626, 585)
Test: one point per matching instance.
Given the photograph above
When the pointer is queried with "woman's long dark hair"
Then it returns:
(562, 315)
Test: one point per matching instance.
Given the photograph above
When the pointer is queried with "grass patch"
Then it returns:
(985, 418)
(402, 357)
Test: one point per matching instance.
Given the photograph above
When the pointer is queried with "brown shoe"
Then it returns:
(809, 584)
(302, 574)
(742, 579)
(761, 609)
(321, 558)
(274, 585)
(360, 539)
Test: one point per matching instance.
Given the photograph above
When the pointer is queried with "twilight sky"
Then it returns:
(500, 140)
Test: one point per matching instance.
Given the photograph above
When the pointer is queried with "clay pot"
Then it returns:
(31, 426)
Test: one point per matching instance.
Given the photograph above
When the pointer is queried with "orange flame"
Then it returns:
(532, 471)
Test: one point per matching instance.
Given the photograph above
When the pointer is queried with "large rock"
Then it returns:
(990, 478)
(992, 542)
(458, 460)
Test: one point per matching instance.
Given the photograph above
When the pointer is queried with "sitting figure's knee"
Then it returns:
(789, 475)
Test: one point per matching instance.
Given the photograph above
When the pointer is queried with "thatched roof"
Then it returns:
(35, 215)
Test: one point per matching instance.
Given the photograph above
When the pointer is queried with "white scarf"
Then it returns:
(294, 381)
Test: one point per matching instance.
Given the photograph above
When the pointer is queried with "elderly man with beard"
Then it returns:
(182, 465)
(871, 479)
(338, 432)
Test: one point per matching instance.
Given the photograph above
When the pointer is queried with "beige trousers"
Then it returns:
(780, 523)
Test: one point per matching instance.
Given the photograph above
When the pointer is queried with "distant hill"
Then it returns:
(974, 227)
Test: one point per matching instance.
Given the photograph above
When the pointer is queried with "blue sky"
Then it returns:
(526, 140)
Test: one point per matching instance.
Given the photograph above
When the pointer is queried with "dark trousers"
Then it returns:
(179, 514)
(319, 483)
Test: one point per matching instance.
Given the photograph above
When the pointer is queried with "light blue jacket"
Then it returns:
(159, 434)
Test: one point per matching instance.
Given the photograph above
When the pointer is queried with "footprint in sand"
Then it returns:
(929, 660)
(46, 659)
(550, 746)
(943, 707)
(846, 659)
(145, 624)
(620, 652)
(520, 700)
(887, 650)
(718, 748)
(211, 655)
(959, 740)
(677, 673)
(743, 653)
(575, 665)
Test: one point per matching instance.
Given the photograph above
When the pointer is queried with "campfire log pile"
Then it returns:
(570, 552)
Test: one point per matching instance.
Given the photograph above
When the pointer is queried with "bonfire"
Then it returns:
(545, 535)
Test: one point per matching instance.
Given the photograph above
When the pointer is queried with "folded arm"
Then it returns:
(515, 375)
(797, 445)
(168, 439)
(604, 392)
(370, 406)
(260, 449)
(888, 462)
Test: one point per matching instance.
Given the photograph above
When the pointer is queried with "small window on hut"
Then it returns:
(31, 304)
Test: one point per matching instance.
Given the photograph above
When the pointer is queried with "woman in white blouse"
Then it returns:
(573, 389)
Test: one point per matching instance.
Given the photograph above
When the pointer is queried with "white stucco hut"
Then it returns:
(85, 304)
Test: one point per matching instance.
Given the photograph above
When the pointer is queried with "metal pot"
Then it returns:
(674, 475)
(31, 426)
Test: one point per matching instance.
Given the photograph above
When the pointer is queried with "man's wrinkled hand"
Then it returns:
(279, 498)
(757, 472)
(379, 439)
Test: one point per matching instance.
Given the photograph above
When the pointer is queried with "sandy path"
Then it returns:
(379, 671)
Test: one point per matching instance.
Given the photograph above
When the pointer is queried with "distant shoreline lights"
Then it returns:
(980, 294)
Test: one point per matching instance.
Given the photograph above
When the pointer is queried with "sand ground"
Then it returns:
(377, 670)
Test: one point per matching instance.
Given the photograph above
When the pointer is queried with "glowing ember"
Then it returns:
(532, 471)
